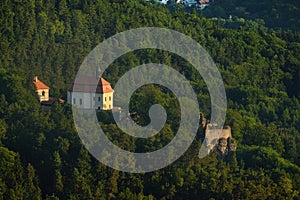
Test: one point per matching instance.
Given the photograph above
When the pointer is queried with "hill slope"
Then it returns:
(42, 156)
(276, 14)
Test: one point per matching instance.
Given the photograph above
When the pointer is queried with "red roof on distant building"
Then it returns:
(39, 85)
(89, 84)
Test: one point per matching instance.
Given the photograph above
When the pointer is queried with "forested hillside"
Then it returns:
(42, 157)
(274, 13)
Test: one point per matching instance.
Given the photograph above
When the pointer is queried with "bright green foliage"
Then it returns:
(42, 157)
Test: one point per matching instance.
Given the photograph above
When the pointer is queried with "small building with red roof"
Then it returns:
(41, 89)
(91, 93)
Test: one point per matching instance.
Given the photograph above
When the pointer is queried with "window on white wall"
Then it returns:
(105, 98)
(98, 98)
(74, 101)
(110, 98)
(80, 101)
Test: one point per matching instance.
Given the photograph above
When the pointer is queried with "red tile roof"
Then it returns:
(88, 85)
(39, 85)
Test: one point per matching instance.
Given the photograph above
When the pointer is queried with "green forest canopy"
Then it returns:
(275, 14)
(42, 157)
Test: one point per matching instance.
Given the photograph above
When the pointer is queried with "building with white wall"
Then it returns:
(163, 1)
(42, 90)
(91, 93)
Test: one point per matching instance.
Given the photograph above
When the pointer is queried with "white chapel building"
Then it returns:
(91, 93)
(42, 89)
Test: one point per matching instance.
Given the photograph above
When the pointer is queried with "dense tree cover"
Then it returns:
(42, 157)
(274, 13)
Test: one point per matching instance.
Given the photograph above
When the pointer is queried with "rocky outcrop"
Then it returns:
(224, 147)
(219, 140)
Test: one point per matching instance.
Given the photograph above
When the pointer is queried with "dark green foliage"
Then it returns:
(274, 13)
(41, 154)
(17, 182)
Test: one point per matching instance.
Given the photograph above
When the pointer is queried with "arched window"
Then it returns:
(43, 93)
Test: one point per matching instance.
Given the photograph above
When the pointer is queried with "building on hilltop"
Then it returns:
(42, 91)
(198, 4)
(91, 93)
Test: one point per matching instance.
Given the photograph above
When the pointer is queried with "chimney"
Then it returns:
(98, 73)
(35, 79)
